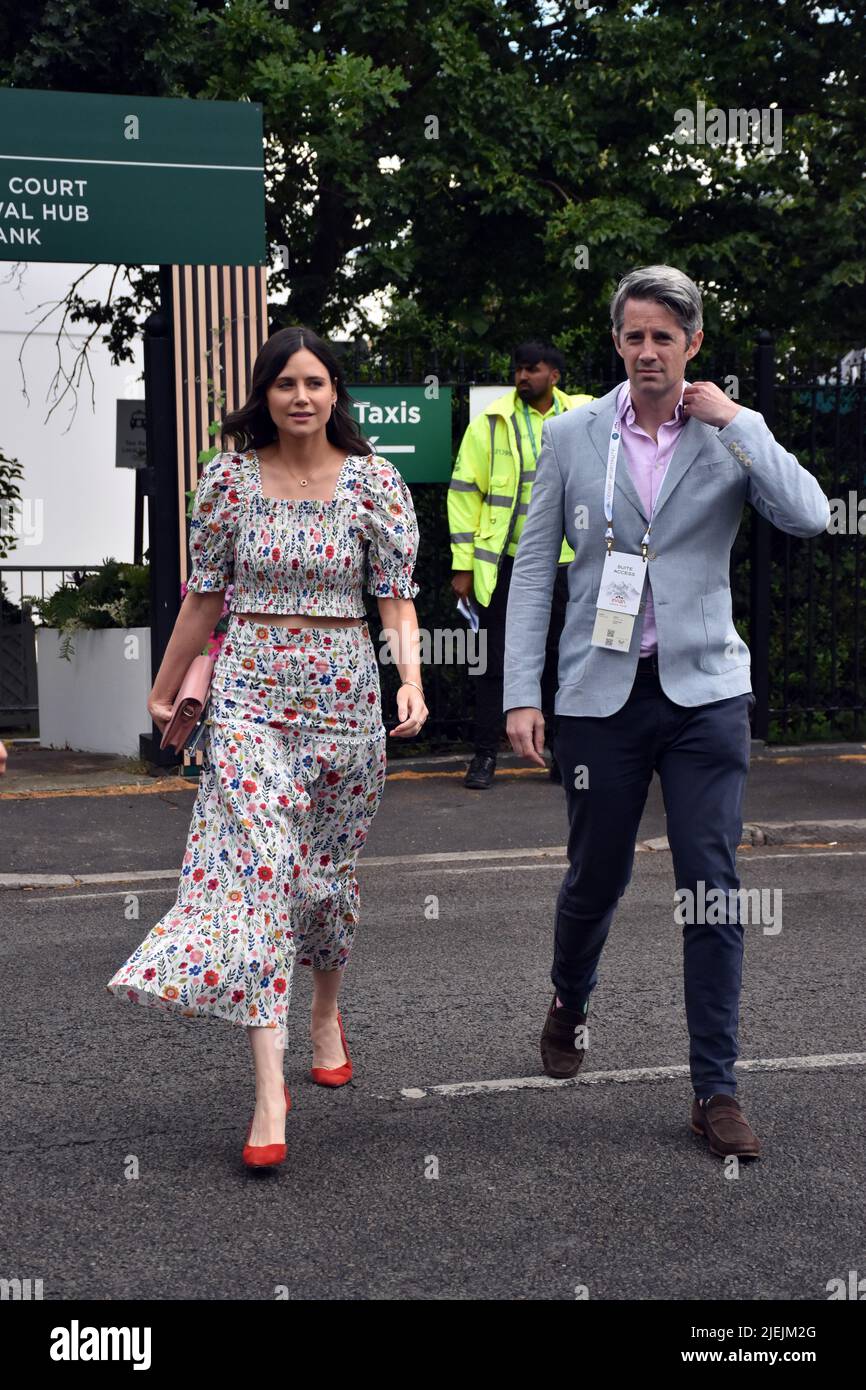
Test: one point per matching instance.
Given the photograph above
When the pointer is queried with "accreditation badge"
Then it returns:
(618, 602)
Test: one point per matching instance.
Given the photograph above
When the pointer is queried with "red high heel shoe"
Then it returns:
(266, 1155)
(334, 1076)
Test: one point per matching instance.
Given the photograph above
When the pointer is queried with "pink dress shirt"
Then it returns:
(648, 463)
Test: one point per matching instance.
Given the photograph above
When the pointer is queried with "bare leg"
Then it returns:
(328, 1050)
(269, 1121)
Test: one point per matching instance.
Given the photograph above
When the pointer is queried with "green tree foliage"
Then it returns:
(554, 130)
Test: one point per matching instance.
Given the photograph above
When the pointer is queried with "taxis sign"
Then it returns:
(408, 425)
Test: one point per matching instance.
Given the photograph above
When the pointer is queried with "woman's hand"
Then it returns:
(159, 711)
(2, 758)
(411, 711)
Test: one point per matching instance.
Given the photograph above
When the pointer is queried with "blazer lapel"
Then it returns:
(599, 430)
(693, 436)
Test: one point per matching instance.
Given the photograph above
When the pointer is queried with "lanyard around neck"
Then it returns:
(536, 452)
(610, 479)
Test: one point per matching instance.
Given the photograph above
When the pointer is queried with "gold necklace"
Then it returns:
(304, 481)
(301, 481)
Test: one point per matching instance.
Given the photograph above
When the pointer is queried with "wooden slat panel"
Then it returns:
(215, 344)
(220, 323)
(228, 356)
(180, 339)
(202, 372)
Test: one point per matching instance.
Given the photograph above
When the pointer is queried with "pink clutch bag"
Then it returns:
(189, 703)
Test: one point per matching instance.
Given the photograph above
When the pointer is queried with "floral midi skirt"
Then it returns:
(293, 772)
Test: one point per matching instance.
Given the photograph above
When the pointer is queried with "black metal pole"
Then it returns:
(138, 520)
(760, 552)
(160, 483)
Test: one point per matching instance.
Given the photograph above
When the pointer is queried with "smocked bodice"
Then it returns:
(303, 555)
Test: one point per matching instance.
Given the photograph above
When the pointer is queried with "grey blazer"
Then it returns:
(711, 474)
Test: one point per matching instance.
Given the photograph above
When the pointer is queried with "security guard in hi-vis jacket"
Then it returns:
(488, 499)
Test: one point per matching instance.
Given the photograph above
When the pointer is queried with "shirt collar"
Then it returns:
(625, 408)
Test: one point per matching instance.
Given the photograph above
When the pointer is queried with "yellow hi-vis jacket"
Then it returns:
(484, 496)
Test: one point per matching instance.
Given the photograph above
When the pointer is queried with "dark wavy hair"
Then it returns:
(251, 426)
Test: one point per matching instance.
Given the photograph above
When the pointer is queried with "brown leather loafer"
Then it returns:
(559, 1055)
(722, 1122)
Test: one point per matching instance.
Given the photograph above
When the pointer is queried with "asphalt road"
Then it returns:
(539, 1190)
(422, 811)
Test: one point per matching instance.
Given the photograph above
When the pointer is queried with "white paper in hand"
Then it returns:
(466, 608)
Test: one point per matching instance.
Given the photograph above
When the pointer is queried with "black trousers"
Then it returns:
(489, 719)
(701, 755)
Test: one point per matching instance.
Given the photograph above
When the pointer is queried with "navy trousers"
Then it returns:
(701, 754)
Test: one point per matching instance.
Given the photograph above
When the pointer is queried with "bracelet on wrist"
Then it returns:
(417, 687)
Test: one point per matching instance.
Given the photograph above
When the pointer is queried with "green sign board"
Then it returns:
(130, 180)
(406, 427)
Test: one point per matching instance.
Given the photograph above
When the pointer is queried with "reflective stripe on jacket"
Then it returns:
(493, 463)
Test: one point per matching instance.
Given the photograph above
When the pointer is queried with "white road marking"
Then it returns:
(814, 1062)
(109, 893)
(382, 861)
(411, 861)
(561, 864)
(550, 852)
(809, 854)
(75, 880)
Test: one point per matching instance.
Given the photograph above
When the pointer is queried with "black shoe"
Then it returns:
(723, 1123)
(480, 772)
(563, 1047)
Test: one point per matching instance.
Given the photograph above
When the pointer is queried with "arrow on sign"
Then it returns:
(391, 448)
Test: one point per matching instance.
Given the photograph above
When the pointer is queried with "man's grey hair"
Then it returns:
(666, 285)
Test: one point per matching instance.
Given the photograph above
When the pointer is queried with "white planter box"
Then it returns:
(97, 701)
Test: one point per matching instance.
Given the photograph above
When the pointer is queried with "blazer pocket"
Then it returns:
(721, 460)
(725, 649)
(575, 640)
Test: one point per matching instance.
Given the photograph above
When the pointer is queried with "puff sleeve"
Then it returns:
(212, 527)
(392, 532)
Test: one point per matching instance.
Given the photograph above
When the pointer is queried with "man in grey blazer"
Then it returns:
(648, 485)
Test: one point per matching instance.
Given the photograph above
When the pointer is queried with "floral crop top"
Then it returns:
(303, 555)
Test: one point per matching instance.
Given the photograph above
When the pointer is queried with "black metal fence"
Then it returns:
(812, 590)
(19, 691)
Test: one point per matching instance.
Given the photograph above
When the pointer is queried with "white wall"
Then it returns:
(480, 397)
(78, 508)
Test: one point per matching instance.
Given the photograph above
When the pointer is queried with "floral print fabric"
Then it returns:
(293, 773)
(303, 555)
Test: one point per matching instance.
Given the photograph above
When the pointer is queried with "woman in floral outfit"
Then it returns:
(294, 525)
